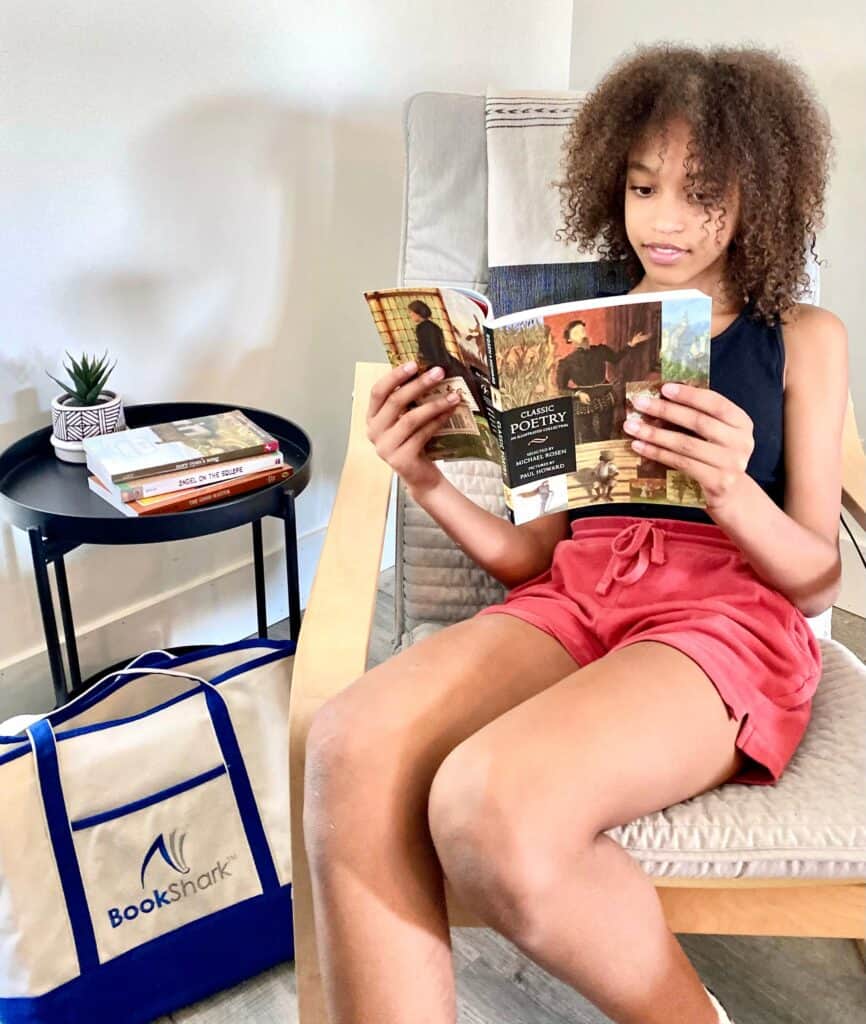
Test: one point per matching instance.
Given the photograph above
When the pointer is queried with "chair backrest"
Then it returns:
(444, 241)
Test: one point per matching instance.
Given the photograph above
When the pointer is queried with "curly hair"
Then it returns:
(754, 123)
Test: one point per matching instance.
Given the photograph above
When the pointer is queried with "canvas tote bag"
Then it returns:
(144, 839)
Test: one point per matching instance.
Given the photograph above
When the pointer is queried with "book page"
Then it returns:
(566, 381)
(442, 327)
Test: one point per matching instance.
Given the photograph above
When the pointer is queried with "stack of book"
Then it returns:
(172, 467)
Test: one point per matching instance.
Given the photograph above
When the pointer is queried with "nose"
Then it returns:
(669, 215)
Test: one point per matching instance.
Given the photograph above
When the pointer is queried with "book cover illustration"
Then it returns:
(442, 327)
(179, 445)
(565, 383)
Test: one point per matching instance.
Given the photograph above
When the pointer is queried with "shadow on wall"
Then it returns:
(250, 230)
(254, 228)
(224, 198)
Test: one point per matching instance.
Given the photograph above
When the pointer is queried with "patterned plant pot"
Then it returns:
(72, 423)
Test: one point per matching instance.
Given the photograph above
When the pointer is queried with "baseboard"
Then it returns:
(216, 608)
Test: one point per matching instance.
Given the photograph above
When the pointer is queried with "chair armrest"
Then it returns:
(335, 632)
(853, 468)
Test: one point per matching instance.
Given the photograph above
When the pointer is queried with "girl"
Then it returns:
(638, 659)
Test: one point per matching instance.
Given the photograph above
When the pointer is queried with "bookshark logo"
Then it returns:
(173, 856)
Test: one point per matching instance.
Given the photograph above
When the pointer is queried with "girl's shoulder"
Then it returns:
(815, 340)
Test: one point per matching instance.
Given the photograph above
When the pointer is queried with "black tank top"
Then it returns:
(747, 362)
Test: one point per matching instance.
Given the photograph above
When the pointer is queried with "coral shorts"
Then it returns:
(621, 580)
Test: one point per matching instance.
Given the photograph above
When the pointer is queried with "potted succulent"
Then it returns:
(86, 408)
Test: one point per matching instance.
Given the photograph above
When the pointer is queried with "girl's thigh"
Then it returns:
(394, 725)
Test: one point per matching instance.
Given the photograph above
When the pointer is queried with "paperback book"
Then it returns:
(177, 446)
(194, 497)
(545, 391)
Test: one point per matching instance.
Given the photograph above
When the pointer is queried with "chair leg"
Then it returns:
(311, 996)
(861, 947)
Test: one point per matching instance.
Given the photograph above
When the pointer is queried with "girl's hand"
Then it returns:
(400, 433)
(717, 457)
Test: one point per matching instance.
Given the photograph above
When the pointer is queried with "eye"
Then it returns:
(641, 190)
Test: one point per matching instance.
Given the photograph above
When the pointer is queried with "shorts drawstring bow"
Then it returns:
(646, 541)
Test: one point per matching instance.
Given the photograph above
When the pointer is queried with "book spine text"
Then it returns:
(236, 487)
(169, 482)
(204, 460)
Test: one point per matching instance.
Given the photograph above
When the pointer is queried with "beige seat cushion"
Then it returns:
(811, 824)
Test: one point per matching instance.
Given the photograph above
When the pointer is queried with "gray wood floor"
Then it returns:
(760, 980)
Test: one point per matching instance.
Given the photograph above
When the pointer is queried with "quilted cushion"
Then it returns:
(810, 824)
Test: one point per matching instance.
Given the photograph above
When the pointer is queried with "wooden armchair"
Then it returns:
(788, 861)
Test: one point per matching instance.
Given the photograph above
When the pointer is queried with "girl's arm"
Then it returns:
(511, 554)
(399, 432)
(797, 550)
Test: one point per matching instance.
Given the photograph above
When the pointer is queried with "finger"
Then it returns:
(702, 423)
(400, 398)
(707, 401)
(413, 445)
(681, 445)
(386, 384)
(413, 421)
(699, 471)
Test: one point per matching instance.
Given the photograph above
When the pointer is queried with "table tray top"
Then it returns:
(38, 489)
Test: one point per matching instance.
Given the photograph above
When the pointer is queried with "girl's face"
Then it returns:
(668, 228)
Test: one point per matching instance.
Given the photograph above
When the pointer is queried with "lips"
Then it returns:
(665, 255)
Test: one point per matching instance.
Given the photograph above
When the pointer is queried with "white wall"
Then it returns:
(206, 188)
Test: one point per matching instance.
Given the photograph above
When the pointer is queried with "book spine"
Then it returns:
(493, 414)
(241, 486)
(490, 350)
(169, 482)
(204, 460)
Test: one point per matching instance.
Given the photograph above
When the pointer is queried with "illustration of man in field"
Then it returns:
(581, 374)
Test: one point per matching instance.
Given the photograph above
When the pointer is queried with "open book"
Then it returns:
(546, 391)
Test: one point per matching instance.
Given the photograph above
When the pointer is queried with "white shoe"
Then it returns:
(717, 1006)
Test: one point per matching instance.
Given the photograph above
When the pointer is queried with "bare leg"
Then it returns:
(518, 814)
(618, 950)
(380, 915)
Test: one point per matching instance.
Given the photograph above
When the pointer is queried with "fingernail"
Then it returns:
(670, 389)
(641, 401)
(453, 396)
(410, 367)
(437, 371)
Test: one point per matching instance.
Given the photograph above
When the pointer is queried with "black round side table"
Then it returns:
(50, 499)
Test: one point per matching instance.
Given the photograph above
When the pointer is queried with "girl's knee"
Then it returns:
(494, 867)
(332, 749)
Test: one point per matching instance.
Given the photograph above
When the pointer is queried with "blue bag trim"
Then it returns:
(60, 833)
(172, 971)
(45, 753)
(243, 790)
(82, 730)
(276, 655)
(155, 660)
(148, 801)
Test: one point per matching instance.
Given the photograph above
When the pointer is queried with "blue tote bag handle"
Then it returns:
(44, 745)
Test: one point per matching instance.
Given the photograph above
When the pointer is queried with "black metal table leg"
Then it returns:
(49, 621)
(292, 565)
(259, 567)
(68, 624)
